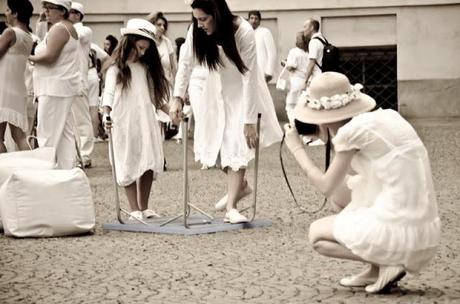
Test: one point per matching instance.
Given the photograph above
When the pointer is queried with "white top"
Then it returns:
(230, 100)
(85, 35)
(298, 59)
(136, 135)
(100, 53)
(266, 50)
(315, 51)
(62, 78)
(13, 92)
(392, 218)
(165, 50)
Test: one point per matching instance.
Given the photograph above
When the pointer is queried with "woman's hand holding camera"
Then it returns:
(292, 139)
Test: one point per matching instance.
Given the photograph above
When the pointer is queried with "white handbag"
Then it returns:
(47, 203)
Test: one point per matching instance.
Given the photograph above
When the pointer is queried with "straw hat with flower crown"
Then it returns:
(331, 98)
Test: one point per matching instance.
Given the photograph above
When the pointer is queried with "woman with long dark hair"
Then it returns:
(234, 93)
(134, 81)
(15, 46)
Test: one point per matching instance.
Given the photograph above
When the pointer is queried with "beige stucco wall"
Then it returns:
(427, 35)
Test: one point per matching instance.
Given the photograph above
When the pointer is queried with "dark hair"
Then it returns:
(154, 17)
(113, 43)
(23, 8)
(205, 46)
(255, 13)
(158, 84)
(315, 24)
(179, 41)
(304, 43)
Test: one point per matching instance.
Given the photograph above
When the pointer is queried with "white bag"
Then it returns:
(47, 203)
(282, 83)
(38, 159)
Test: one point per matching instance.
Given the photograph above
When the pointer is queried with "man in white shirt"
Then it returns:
(315, 49)
(265, 45)
(80, 107)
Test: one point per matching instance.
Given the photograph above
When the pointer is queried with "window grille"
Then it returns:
(375, 69)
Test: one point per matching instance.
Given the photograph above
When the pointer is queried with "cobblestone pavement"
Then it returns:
(270, 265)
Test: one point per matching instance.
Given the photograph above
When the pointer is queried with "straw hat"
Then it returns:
(78, 7)
(64, 3)
(140, 27)
(331, 98)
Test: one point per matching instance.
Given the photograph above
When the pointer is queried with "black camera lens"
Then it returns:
(305, 128)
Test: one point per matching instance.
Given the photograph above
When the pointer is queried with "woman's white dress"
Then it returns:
(392, 218)
(13, 92)
(137, 140)
(229, 101)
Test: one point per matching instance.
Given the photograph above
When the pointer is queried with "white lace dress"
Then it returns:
(13, 92)
(392, 218)
(137, 140)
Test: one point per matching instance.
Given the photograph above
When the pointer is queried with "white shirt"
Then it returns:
(85, 35)
(315, 51)
(298, 59)
(266, 50)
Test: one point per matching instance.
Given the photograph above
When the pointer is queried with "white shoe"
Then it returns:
(388, 276)
(136, 215)
(366, 277)
(234, 217)
(149, 213)
(222, 203)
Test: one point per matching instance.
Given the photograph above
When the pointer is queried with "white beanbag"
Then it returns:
(39, 159)
(47, 203)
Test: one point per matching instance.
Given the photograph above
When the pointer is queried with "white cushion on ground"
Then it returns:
(47, 203)
(39, 159)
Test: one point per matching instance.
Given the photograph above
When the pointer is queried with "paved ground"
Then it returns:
(271, 265)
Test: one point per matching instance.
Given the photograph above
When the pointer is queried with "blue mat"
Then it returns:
(197, 225)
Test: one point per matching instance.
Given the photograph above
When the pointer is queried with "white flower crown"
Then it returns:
(333, 102)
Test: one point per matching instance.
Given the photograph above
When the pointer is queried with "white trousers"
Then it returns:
(85, 133)
(55, 128)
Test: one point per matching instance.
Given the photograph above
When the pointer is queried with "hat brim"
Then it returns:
(59, 3)
(127, 31)
(305, 114)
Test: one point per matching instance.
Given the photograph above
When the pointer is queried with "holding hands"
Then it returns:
(175, 110)
(292, 139)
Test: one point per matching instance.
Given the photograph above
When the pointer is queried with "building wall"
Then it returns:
(426, 33)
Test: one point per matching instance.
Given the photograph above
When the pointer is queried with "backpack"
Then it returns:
(331, 57)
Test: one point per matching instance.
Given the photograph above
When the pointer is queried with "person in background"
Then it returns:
(265, 44)
(81, 106)
(296, 64)
(110, 43)
(56, 82)
(133, 83)
(380, 179)
(234, 93)
(311, 30)
(16, 44)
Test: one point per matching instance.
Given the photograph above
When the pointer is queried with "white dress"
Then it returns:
(392, 218)
(137, 140)
(13, 92)
(229, 101)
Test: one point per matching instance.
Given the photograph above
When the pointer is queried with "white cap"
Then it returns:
(140, 27)
(64, 3)
(78, 7)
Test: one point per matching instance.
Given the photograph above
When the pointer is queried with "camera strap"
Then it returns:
(327, 162)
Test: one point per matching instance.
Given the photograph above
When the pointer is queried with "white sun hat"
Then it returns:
(64, 3)
(332, 98)
(140, 27)
(78, 7)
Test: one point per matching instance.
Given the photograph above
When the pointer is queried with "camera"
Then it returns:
(305, 128)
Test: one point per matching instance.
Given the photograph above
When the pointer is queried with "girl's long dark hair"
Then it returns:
(205, 46)
(157, 82)
(24, 9)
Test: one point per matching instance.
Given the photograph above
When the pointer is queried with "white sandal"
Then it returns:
(149, 213)
(234, 217)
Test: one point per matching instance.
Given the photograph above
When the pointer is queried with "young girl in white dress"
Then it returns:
(296, 64)
(134, 81)
(15, 47)
(380, 176)
(234, 93)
